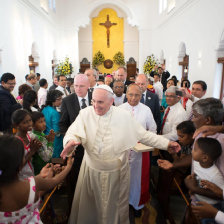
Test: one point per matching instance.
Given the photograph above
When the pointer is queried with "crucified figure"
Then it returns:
(108, 25)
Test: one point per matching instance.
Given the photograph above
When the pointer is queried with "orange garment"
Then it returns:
(150, 88)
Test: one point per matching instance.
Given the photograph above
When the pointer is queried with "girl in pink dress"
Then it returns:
(19, 199)
(22, 121)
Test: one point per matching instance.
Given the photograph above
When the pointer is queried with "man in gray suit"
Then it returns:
(70, 107)
(149, 99)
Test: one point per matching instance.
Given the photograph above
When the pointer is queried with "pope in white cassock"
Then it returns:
(107, 133)
(139, 162)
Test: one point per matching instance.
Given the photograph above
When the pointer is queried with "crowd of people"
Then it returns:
(112, 131)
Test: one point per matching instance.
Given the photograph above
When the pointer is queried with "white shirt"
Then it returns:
(176, 115)
(42, 96)
(211, 174)
(142, 114)
(63, 90)
(158, 90)
(91, 89)
(219, 218)
(118, 100)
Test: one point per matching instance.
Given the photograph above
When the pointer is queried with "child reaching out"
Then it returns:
(22, 121)
(185, 132)
(44, 154)
(19, 199)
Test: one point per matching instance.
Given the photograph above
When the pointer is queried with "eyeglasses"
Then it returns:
(11, 83)
(119, 87)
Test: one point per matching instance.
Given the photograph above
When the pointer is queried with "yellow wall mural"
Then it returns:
(99, 36)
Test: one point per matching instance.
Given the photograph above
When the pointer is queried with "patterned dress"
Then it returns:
(28, 214)
(27, 171)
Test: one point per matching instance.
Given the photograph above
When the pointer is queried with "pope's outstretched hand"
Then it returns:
(69, 149)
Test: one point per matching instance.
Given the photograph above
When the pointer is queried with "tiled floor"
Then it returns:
(60, 214)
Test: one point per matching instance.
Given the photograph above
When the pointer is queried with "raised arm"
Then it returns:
(44, 184)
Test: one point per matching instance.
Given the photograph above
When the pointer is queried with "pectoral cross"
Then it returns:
(108, 25)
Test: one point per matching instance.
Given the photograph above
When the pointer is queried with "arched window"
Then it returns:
(52, 5)
(166, 5)
(162, 6)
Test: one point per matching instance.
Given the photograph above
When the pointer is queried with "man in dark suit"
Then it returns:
(70, 107)
(149, 99)
(121, 74)
(163, 74)
(8, 103)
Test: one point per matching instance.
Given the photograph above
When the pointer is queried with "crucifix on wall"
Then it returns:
(108, 25)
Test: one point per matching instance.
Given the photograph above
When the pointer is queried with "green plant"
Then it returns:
(119, 58)
(98, 59)
(149, 64)
(64, 67)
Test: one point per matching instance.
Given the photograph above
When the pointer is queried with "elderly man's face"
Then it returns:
(171, 99)
(101, 101)
(197, 91)
(81, 87)
(142, 82)
(134, 95)
(118, 88)
(121, 74)
(108, 80)
(91, 77)
(199, 120)
(33, 81)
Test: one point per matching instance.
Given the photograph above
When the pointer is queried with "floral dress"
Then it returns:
(28, 214)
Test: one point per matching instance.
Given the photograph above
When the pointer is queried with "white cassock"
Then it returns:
(102, 191)
(139, 196)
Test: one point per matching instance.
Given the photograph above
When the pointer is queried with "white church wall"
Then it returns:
(68, 46)
(85, 43)
(197, 23)
(24, 25)
(199, 26)
(131, 42)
